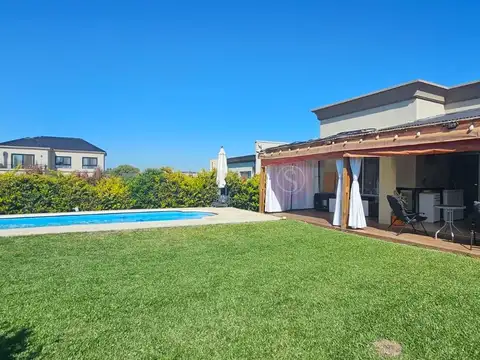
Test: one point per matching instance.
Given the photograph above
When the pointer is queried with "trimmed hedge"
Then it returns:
(22, 193)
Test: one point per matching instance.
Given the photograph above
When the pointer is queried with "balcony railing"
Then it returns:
(10, 166)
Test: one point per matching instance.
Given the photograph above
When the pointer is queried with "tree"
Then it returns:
(124, 171)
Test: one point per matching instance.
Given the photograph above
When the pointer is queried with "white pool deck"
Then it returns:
(222, 216)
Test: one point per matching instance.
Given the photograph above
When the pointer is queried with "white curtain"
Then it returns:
(302, 179)
(276, 199)
(356, 216)
(337, 216)
(290, 187)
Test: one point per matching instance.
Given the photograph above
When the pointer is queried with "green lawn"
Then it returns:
(278, 290)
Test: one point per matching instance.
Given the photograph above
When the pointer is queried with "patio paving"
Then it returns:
(378, 231)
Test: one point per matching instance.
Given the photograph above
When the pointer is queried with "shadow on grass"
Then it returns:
(14, 344)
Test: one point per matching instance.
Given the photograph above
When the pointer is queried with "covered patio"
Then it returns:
(429, 159)
(379, 231)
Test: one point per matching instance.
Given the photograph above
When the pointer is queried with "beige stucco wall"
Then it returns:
(213, 164)
(46, 157)
(77, 160)
(462, 105)
(383, 116)
(263, 145)
(241, 169)
(41, 156)
(379, 117)
(426, 108)
(387, 186)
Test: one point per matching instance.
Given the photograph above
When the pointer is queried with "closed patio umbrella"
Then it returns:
(221, 168)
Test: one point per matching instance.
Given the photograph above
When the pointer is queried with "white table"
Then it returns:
(448, 218)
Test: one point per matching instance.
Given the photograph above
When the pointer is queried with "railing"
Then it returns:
(10, 166)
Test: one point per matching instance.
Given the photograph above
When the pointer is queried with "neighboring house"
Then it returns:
(395, 132)
(247, 166)
(53, 153)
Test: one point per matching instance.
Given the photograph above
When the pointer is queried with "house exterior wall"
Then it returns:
(383, 116)
(41, 156)
(462, 105)
(242, 167)
(379, 117)
(46, 158)
(213, 164)
(263, 145)
(76, 158)
(387, 186)
(427, 108)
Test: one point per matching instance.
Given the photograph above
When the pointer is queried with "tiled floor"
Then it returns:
(460, 246)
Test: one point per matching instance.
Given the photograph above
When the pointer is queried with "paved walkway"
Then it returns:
(222, 216)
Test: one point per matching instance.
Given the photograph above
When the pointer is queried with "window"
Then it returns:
(245, 174)
(22, 160)
(89, 163)
(368, 178)
(63, 161)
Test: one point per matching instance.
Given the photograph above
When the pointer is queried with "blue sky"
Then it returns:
(167, 82)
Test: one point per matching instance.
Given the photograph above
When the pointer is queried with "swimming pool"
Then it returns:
(98, 218)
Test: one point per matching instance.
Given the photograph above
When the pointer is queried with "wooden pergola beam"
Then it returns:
(395, 140)
(262, 190)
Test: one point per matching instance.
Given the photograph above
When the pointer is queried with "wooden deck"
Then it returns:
(375, 230)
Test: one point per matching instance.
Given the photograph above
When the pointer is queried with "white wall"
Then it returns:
(379, 117)
(426, 108)
(263, 145)
(77, 160)
(241, 168)
(383, 116)
(462, 105)
(41, 155)
(213, 164)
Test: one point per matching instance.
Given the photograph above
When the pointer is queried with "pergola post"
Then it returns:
(346, 184)
(262, 190)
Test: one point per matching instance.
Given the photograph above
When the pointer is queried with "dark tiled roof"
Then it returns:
(434, 120)
(52, 142)
(240, 159)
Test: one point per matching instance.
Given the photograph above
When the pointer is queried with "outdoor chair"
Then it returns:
(223, 200)
(408, 219)
(475, 223)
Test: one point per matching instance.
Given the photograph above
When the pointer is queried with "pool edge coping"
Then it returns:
(226, 215)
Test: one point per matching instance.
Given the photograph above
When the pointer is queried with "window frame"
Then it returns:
(63, 166)
(89, 166)
(23, 160)
(362, 181)
(248, 174)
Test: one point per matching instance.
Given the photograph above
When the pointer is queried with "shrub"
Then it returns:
(124, 171)
(22, 193)
(145, 188)
(34, 193)
(180, 190)
(243, 193)
(112, 194)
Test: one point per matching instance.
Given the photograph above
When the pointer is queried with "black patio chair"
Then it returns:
(475, 224)
(407, 218)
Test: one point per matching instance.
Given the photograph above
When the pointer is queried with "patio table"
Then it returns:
(448, 218)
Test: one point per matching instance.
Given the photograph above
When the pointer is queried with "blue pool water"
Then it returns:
(84, 219)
